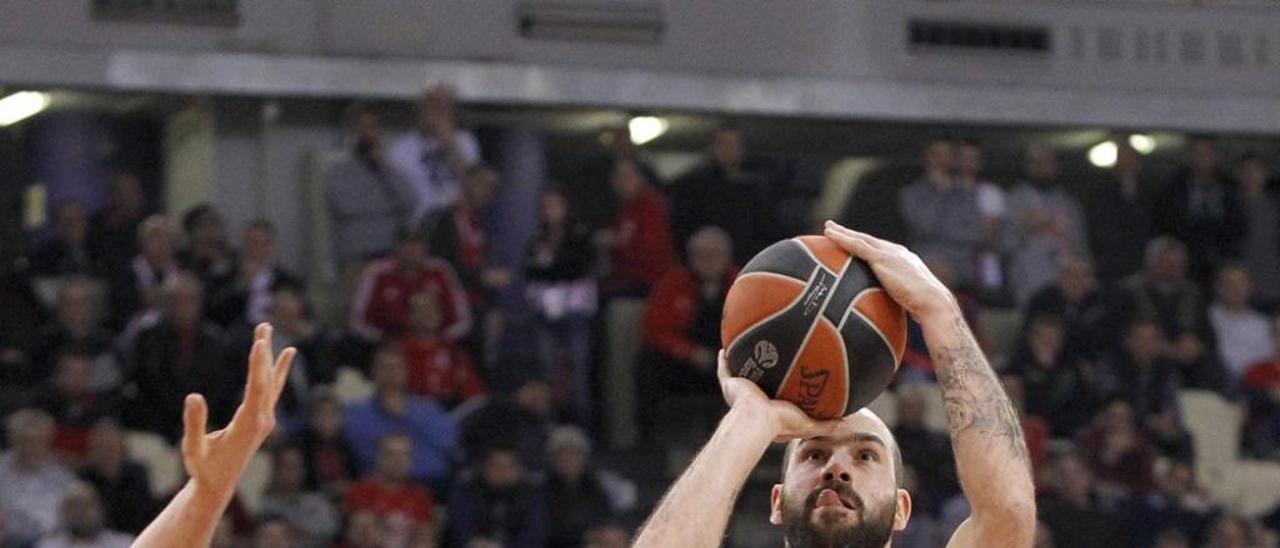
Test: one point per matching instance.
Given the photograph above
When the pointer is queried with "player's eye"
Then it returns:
(813, 455)
(868, 455)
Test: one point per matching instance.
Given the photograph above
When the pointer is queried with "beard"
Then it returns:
(873, 529)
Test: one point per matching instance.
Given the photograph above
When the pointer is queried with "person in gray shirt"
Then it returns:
(942, 215)
(1044, 225)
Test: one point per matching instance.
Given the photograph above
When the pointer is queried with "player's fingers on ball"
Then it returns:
(195, 416)
(722, 366)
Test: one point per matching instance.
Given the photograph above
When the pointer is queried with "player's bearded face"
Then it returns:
(869, 524)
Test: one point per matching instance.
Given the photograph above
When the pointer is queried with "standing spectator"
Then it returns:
(722, 193)
(68, 252)
(367, 197)
(1075, 512)
(1261, 388)
(1118, 211)
(309, 512)
(1144, 377)
(381, 305)
(455, 235)
(574, 489)
(82, 523)
(681, 326)
(1201, 207)
(587, 185)
(208, 253)
(435, 155)
(179, 354)
(942, 215)
(639, 240)
(563, 295)
(405, 511)
(438, 368)
(114, 235)
(1162, 293)
(122, 483)
(1055, 382)
(1242, 333)
(392, 410)
(244, 293)
(1045, 224)
(134, 288)
(75, 406)
(329, 458)
(989, 273)
(77, 326)
(32, 481)
(498, 504)
(1076, 299)
(1118, 451)
(1261, 246)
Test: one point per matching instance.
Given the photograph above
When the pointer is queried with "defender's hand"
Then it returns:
(216, 460)
(784, 419)
(901, 272)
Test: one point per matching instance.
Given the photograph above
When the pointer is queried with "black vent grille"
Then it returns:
(182, 12)
(964, 36)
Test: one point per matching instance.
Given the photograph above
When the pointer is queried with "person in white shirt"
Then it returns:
(435, 154)
(82, 523)
(1244, 334)
(32, 483)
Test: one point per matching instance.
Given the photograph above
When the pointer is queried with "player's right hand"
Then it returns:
(784, 419)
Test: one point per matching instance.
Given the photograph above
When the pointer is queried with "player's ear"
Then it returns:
(902, 511)
(775, 505)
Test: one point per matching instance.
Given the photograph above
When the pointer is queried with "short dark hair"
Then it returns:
(898, 466)
(197, 212)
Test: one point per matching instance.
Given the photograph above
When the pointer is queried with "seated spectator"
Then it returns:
(1035, 428)
(1118, 212)
(1162, 293)
(1261, 388)
(178, 354)
(435, 154)
(1169, 436)
(1144, 377)
(1076, 299)
(455, 234)
(208, 253)
(942, 215)
(1232, 531)
(362, 531)
(1261, 208)
(405, 511)
(23, 315)
(224, 535)
(244, 293)
(392, 410)
(77, 326)
(609, 534)
(1044, 225)
(134, 288)
(32, 481)
(926, 451)
(82, 523)
(1178, 504)
(381, 309)
(276, 532)
(723, 192)
(562, 293)
(1200, 206)
(1118, 451)
(74, 405)
(309, 513)
(575, 489)
(522, 422)
(639, 240)
(1075, 512)
(1243, 334)
(497, 503)
(68, 252)
(438, 368)
(293, 325)
(1198, 364)
(1056, 384)
(122, 483)
(681, 324)
(113, 236)
(330, 460)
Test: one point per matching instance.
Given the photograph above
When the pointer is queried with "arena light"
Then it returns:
(1103, 154)
(1144, 144)
(646, 128)
(22, 105)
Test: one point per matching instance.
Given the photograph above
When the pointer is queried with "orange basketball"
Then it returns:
(811, 325)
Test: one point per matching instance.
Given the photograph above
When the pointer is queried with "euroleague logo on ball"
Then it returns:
(766, 354)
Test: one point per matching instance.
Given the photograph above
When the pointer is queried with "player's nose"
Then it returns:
(836, 469)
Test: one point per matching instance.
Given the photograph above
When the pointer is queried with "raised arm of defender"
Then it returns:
(991, 455)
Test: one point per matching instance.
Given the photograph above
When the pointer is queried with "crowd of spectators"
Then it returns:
(1130, 289)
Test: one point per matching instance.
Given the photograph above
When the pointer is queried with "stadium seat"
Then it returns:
(1214, 424)
(623, 342)
(886, 407)
(163, 461)
(1249, 488)
(351, 386)
(254, 482)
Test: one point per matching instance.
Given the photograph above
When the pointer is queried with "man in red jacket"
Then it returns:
(381, 305)
(681, 327)
(639, 240)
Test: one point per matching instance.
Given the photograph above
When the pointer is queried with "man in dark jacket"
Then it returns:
(1201, 207)
(498, 503)
(724, 193)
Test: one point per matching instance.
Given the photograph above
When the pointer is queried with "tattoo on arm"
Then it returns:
(973, 396)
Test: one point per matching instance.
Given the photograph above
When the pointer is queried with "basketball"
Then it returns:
(810, 324)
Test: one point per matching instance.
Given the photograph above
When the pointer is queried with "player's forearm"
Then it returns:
(188, 520)
(695, 512)
(991, 454)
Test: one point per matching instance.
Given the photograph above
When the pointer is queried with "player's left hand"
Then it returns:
(216, 460)
(785, 420)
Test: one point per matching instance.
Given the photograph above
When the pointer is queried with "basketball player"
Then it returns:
(842, 481)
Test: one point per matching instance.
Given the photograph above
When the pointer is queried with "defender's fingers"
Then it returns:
(280, 374)
(195, 416)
